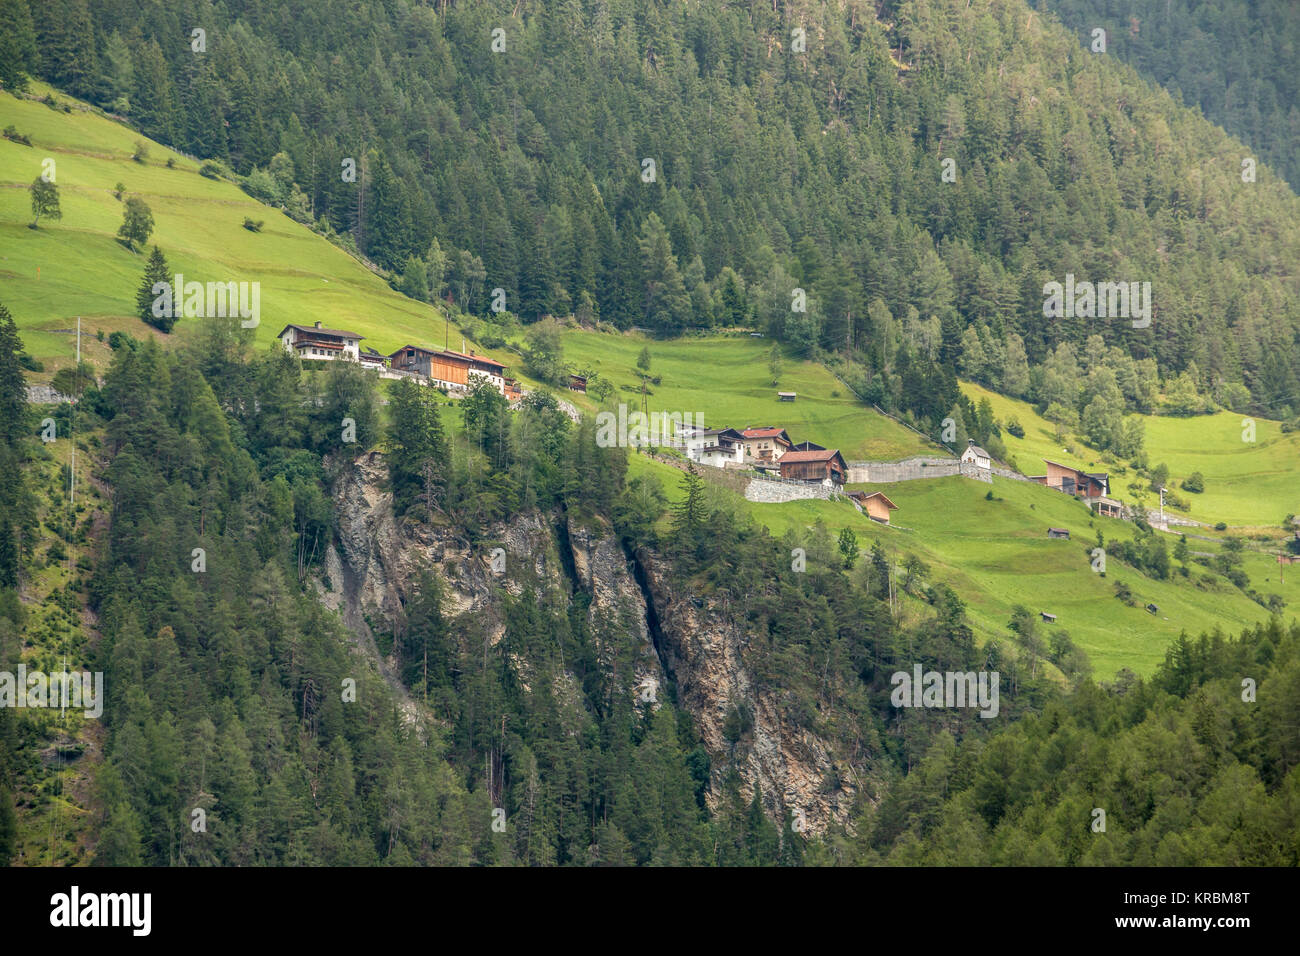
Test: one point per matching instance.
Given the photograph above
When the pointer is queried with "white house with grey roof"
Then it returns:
(977, 455)
(321, 344)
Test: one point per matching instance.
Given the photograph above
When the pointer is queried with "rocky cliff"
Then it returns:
(693, 648)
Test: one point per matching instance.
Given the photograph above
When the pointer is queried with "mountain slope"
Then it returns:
(76, 267)
(806, 160)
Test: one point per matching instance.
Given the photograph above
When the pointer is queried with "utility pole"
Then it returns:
(72, 435)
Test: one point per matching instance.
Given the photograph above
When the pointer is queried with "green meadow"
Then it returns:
(996, 554)
(726, 378)
(76, 266)
(1247, 483)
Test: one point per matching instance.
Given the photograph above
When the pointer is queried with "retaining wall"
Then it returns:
(912, 469)
(768, 491)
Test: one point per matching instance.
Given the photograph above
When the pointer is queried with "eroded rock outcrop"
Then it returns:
(372, 573)
(704, 649)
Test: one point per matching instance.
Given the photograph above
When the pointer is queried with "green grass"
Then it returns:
(1246, 483)
(76, 267)
(726, 379)
(996, 554)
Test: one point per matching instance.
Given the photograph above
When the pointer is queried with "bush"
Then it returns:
(1015, 428)
(29, 363)
(253, 226)
(119, 340)
(210, 171)
(1221, 526)
(1195, 483)
(141, 154)
(14, 136)
(171, 162)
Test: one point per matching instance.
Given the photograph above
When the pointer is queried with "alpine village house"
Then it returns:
(453, 371)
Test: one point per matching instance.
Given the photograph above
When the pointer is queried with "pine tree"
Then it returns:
(18, 53)
(13, 384)
(690, 513)
(155, 271)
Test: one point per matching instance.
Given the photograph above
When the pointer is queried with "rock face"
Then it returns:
(372, 571)
(704, 649)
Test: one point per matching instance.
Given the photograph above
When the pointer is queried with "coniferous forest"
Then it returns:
(918, 168)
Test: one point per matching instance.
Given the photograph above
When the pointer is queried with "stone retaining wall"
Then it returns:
(912, 469)
(768, 491)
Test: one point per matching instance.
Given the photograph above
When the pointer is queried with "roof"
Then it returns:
(313, 330)
(412, 348)
(729, 432)
(881, 496)
(809, 446)
(971, 446)
(1058, 531)
(765, 432)
(824, 454)
(483, 359)
(786, 393)
(1077, 471)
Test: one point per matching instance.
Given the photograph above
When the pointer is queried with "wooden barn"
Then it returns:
(876, 505)
(1058, 533)
(825, 465)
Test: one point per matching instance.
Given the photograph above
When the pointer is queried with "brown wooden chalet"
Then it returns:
(1092, 488)
(814, 466)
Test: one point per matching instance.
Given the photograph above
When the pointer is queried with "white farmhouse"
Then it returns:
(320, 344)
(714, 446)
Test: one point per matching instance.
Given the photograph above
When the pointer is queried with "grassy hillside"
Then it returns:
(76, 267)
(1246, 483)
(728, 381)
(996, 554)
(993, 553)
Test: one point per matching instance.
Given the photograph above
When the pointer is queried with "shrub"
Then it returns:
(210, 171)
(1015, 428)
(14, 136)
(141, 154)
(253, 226)
(1195, 483)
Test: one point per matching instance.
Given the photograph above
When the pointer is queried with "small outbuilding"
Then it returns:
(1153, 609)
(1058, 533)
(785, 396)
(876, 505)
(1048, 618)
